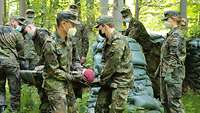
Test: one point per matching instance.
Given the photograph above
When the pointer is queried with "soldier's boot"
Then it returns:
(2, 108)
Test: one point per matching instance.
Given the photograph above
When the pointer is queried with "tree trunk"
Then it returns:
(43, 12)
(117, 7)
(1, 11)
(5, 13)
(90, 14)
(137, 9)
(183, 8)
(104, 7)
(22, 7)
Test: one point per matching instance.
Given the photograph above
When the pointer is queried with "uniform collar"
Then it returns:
(58, 38)
(110, 40)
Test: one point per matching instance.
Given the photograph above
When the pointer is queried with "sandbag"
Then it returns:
(192, 64)
(156, 38)
(145, 101)
(138, 57)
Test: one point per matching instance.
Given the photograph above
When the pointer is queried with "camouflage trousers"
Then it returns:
(60, 97)
(111, 100)
(173, 94)
(12, 75)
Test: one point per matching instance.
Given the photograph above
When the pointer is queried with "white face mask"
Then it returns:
(167, 24)
(72, 32)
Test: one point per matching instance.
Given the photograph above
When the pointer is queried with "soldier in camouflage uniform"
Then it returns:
(11, 49)
(58, 59)
(80, 41)
(116, 76)
(38, 36)
(31, 57)
(97, 49)
(30, 15)
(136, 30)
(171, 68)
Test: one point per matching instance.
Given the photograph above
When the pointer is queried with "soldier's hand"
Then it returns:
(39, 68)
(82, 60)
(76, 76)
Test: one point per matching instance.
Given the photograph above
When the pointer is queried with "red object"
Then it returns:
(89, 75)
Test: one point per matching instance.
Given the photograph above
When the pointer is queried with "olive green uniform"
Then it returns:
(116, 77)
(172, 69)
(11, 49)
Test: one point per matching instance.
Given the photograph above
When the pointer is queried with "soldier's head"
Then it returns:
(30, 15)
(173, 19)
(126, 14)
(17, 21)
(105, 25)
(66, 23)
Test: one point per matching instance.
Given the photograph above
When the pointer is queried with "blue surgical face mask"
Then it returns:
(18, 28)
(127, 19)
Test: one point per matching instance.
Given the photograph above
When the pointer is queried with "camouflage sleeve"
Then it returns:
(20, 45)
(85, 42)
(173, 43)
(134, 29)
(115, 53)
(52, 63)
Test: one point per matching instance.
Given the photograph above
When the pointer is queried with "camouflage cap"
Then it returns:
(73, 6)
(30, 11)
(19, 19)
(168, 14)
(69, 15)
(104, 20)
(126, 11)
(74, 9)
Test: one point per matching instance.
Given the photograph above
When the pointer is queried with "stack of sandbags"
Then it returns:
(141, 95)
(192, 64)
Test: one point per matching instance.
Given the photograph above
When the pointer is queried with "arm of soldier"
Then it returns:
(115, 53)
(85, 42)
(174, 43)
(172, 60)
(20, 45)
(52, 63)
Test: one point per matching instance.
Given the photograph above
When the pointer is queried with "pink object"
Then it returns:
(88, 75)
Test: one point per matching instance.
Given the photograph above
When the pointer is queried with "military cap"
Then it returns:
(74, 9)
(30, 11)
(126, 11)
(73, 6)
(168, 14)
(104, 20)
(19, 19)
(69, 15)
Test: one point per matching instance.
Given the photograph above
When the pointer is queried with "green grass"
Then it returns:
(30, 101)
(191, 102)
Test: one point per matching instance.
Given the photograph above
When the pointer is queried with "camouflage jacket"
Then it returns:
(80, 41)
(39, 38)
(57, 55)
(29, 50)
(137, 31)
(173, 52)
(117, 70)
(11, 46)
